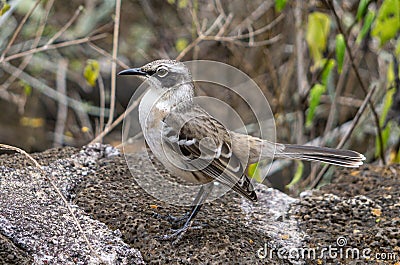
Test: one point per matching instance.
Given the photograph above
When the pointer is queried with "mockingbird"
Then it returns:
(197, 148)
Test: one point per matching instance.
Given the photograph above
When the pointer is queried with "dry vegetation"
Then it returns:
(58, 64)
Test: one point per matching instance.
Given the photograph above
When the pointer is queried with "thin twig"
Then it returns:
(113, 64)
(16, 149)
(83, 118)
(17, 31)
(338, 91)
(255, 15)
(102, 102)
(364, 89)
(347, 135)
(66, 26)
(35, 43)
(62, 109)
(117, 121)
(51, 93)
(107, 54)
(54, 46)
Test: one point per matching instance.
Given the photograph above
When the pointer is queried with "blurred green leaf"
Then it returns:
(171, 2)
(181, 44)
(280, 5)
(4, 9)
(369, 18)
(362, 9)
(91, 72)
(396, 158)
(297, 174)
(340, 51)
(387, 23)
(183, 3)
(254, 172)
(317, 34)
(397, 51)
(327, 71)
(387, 103)
(388, 100)
(315, 95)
(27, 88)
(385, 138)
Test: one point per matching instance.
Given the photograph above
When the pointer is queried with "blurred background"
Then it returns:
(328, 68)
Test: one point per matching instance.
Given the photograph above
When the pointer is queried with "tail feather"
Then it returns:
(345, 158)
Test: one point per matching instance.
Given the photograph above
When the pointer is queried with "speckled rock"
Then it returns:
(35, 219)
(235, 228)
(360, 210)
(361, 206)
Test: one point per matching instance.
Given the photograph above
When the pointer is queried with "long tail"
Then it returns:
(339, 157)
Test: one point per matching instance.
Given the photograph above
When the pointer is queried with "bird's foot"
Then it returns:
(179, 233)
(174, 221)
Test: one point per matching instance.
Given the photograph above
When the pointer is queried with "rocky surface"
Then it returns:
(360, 210)
(34, 218)
(361, 206)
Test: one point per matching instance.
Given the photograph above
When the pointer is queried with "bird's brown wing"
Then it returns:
(204, 143)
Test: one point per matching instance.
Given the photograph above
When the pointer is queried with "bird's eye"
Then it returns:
(162, 71)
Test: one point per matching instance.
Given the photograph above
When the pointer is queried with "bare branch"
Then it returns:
(54, 46)
(117, 121)
(62, 109)
(51, 93)
(113, 64)
(17, 31)
(347, 135)
(364, 89)
(35, 43)
(66, 26)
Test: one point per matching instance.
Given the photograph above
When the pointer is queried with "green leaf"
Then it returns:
(387, 103)
(387, 23)
(4, 9)
(183, 3)
(27, 88)
(297, 174)
(171, 2)
(362, 9)
(91, 72)
(280, 5)
(385, 138)
(369, 18)
(181, 44)
(317, 34)
(315, 95)
(327, 71)
(340, 51)
(388, 100)
(254, 172)
(397, 51)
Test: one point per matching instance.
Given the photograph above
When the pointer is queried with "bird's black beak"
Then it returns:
(133, 71)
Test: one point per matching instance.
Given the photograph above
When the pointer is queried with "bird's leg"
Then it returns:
(173, 220)
(201, 197)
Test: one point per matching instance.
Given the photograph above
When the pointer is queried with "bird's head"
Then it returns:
(170, 82)
(168, 73)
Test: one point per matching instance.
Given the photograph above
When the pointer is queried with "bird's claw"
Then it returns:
(179, 233)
